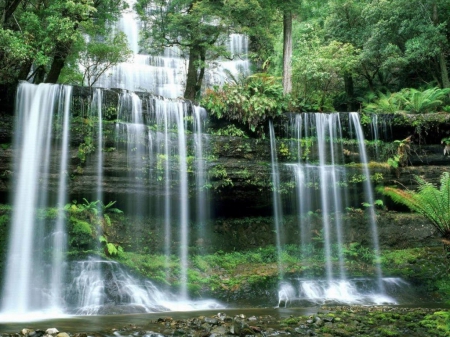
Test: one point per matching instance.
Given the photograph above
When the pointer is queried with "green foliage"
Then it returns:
(439, 322)
(409, 100)
(394, 161)
(230, 130)
(81, 233)
(85, 148)
(319, 69)
(356, 251)
(219, 177)
(429, 201)
(445, 141)
(252, 102)
(35, 32)
(424, 101)
(386, 103)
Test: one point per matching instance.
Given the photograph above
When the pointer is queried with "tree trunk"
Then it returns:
(25, 70)
(444, 71)
(287, 52)
(201, 75)
(62, 51)
(191, 81)
(441, 56)
(8, 10)
(349, 91)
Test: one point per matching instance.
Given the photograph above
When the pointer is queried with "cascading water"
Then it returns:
(34, 275)
(202, 209)
(167, 145)
(165, 74)
(318, 175)
(368, 192)
(157, 137)
(277, 213)
(60, 235)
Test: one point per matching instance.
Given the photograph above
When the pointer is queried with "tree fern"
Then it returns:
(431, 202)
(424, 101)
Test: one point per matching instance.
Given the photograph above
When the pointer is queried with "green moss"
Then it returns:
(438, 321)
(388, 332)
(291, 320)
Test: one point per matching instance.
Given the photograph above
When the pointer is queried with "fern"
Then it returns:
(424, 101)
(431, 202)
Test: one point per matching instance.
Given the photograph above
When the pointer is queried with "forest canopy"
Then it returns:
(344, 54)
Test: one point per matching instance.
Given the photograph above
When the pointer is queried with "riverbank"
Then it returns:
(325, 321)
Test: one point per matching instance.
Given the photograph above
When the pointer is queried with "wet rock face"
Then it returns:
(239, 172)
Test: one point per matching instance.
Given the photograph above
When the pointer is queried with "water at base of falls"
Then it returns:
(101, 287)
(357, 291)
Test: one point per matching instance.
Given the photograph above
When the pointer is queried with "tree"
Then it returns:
(402, 42)
(8, 8)
(37, 37)
(289, 8)
(319, 71)
(99, 56)
(198, 28)
(432, 203)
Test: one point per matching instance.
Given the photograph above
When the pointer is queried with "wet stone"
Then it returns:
(213, 321)
(36, 333)
(219, 330)
(51, 331)
(62, 334)
(206, 326)
(179, 332)
(221, 316)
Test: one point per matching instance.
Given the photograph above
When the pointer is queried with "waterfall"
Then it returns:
(96, 112)
(184, 203)
(368, 192)
(165, 74)
(277, 213)
(167, 122)
(150, 131)
(318, 174)
(30, 272)
(202, 213)
(60, 233)
(97, 284)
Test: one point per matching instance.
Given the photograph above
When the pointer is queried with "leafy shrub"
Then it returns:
(386, 103)
(424, 101)
(410, 100)
(250, 101)
(230, 130)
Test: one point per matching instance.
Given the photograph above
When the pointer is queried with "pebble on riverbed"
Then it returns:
(331, 321)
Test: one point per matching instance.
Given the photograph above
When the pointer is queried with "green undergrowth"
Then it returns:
(5, 216)
(238, 269)
(426, 268)
(223, 273)
(372, 321)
